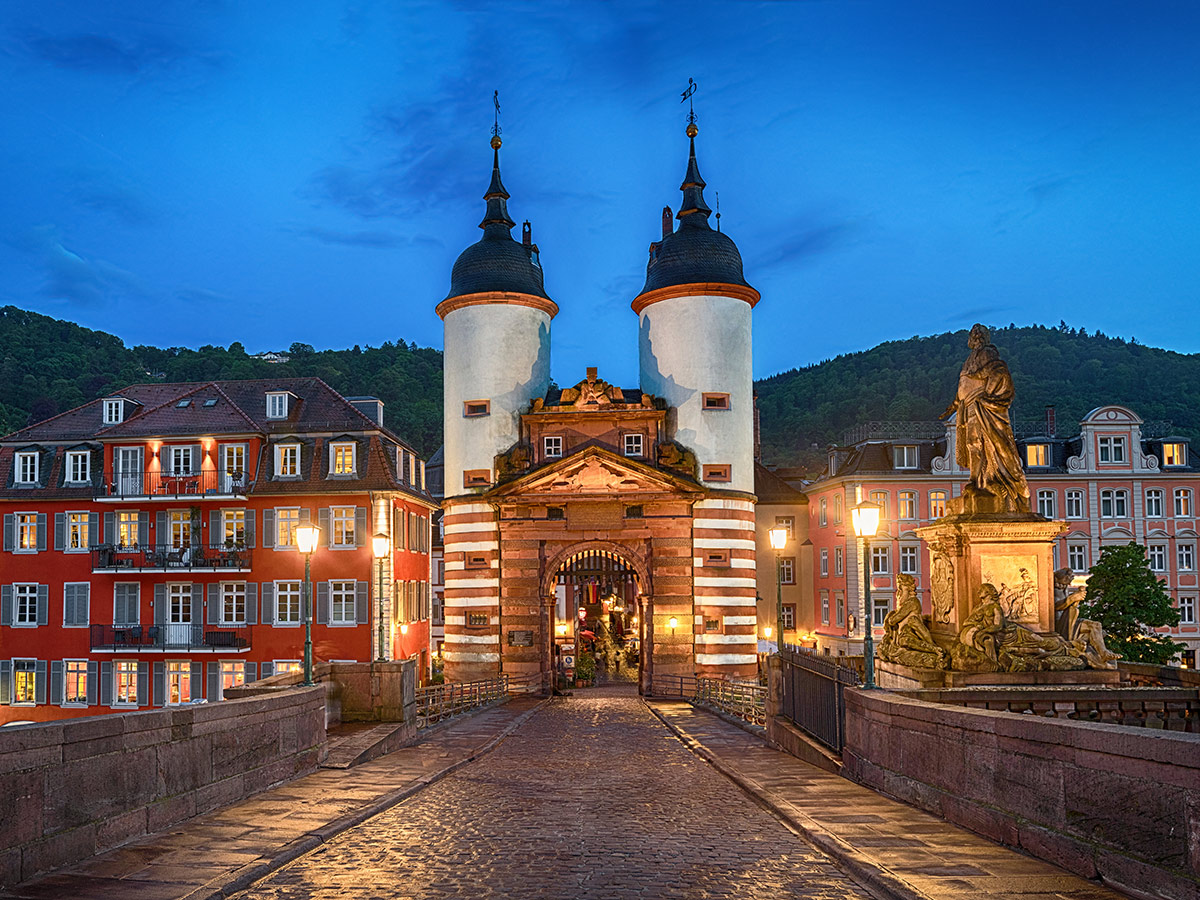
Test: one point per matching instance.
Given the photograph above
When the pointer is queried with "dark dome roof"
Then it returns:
(693, 256)
(496, 262)
(694, 253)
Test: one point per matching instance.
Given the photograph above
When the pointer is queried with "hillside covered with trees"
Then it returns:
(805, 410)
(50, 365)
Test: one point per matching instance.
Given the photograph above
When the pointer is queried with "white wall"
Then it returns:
(692, 345)
(498, 352)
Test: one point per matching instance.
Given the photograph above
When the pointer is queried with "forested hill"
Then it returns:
(49, 365)
(805, 410)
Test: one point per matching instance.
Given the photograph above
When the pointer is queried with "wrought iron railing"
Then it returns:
(893, 431)
(440, 702)
(743, 700)
(169, 637)
(163, 557)
(813, 694)
(160, 485)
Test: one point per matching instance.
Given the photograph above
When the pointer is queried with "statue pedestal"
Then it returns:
(896, 677)
(1012, 552)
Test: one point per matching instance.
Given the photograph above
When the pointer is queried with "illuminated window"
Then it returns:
(904, 456)
(837, 509)
(937, 504)
(78, 532)
(342, 522)
(1174, 454)
(75, 681)
(788, 523)
(822, 517)
(24, 682)
(233, 527)
(26, 468)
(125, 683)
(1037, 455)
(552, 447)
(907, 504)
(27, 532)
(179, 683)
(1154, 504)
(286, 523)
(880, 499)
(1183, 503)
(1112, 449)
(179, 524)
(287, 666)
(233, 674)
(341, 460)
(287, 460)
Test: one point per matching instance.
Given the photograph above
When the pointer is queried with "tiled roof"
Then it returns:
(770, 488)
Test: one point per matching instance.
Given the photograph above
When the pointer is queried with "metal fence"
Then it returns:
(440, 702)
(169, 637)
(813, 694)
(743, 700)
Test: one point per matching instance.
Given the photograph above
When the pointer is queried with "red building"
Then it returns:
(1117, 479)
(149, 545)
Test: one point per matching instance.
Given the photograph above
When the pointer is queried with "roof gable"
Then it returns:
(596, 470)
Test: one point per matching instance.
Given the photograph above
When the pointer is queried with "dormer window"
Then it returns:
(79, 467)
(114, 412)
(287, 460)
(904, 456)
(25, 470)
(633, 445)
(277, 405)
(1037, 455)
(1112, 449)
(552, 447)
(341, 459)
(1174, 454)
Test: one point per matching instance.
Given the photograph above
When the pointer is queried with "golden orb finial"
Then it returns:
(692, 130)
(496, 142)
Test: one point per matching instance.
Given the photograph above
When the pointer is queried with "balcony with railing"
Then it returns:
(169, 558)
(159, 485)
(155, 638)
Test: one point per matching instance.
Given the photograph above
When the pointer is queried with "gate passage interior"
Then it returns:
(597, 613)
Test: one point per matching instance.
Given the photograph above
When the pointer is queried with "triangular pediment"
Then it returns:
(596, 471)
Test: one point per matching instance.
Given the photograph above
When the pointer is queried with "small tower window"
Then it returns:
(716, 472)
(473, 409)
(633, 445)
(716, 401)
(552, 446)
(477, 478)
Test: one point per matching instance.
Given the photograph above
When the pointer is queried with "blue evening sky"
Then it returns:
(182, 173)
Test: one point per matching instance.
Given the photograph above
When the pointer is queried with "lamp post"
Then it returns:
(379, 545)
(778, 539)
(307, 536)
(865, 517)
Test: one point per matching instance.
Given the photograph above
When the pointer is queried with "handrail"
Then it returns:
(744, 700)
(439, 702)
(169, 637)
(168, 556)
(158, 484)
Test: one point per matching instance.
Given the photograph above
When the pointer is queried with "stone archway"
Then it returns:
(634, 560)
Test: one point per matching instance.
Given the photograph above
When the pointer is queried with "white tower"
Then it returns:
(694, 339)
(497, 344)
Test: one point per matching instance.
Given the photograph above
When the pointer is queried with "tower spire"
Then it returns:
(495, 219)
(693, 211)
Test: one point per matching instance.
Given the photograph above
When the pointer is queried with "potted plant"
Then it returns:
(585, 669)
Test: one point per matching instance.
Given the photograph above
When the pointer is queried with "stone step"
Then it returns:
(350, 745)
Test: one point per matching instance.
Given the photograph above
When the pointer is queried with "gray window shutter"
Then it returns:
(39, 682)
(160, 604)
(161, 536)
(143, 697)
(60, 531)
(250, 672)
(214, 682)
(360, 526)
(322, 602)
(323, 524)
(83, 603)
(196, 451)
(214, 604)
(41, 528)
(56, 682)
(6, 605)
(216, 537)
(305, 515)
(144, 530)
(94, 528)
(9, 527)
(268, 669)
(106, 683)
(251, 603)
(397, 529)
(110, 528)
(43, 604)
(160, 685)
(268, 530)
(197, 680)
(249, 528)
(5, 682)
(360, 603)
(68, 604)
(197, 601)
(93, 672)
(268, 603)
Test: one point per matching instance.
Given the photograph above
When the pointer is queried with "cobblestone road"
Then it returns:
(592, 798)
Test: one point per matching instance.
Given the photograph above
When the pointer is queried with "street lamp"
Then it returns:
(379, 546)
(865, 518)
(778, 538)
(307, 536)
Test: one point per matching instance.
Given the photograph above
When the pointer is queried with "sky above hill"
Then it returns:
(187, 173)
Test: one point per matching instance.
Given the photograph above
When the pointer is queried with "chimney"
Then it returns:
(1051, 423)
(757, 431)
(527, 234)
(668, 221)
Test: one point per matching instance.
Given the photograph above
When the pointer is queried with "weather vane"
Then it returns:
(718, 196)
(687, 95)
(496, 123)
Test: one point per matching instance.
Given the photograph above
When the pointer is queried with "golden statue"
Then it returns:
(983, 432)
(906, 637)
